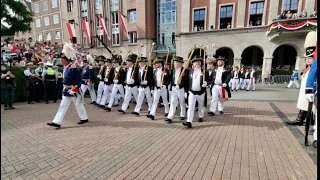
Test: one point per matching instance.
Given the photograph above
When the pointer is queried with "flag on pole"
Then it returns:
(123, 24)
(86, 30)
(103, 25)
(71, 30)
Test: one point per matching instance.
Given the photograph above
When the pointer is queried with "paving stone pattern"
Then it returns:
(249, 141)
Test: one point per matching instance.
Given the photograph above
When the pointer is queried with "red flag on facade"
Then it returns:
(71, 30)
(86, 30)
(103, 25)
(123, 24)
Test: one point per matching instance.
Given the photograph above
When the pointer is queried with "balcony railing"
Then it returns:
(163, 48)
(279, 26)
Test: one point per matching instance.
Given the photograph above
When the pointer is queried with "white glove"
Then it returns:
(115, 81)
(310, 97)
(90, 67)
(224, 85)
(163, 86)
(177, 87)
(131, 81)
(99, 76)
(152, 91)
(101, 67)
(204, 84)
(144, 82)
(185, 95)
(106, 80)
(71, 92)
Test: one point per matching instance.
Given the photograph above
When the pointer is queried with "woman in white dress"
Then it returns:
(302, 103)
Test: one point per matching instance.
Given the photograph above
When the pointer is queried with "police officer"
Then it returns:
(50, 79)
(31, 81)
(7, 87)
(39, 88)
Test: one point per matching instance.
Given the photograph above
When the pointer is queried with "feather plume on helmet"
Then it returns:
(69, 51)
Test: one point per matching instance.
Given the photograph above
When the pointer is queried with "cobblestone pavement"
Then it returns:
(249, 141)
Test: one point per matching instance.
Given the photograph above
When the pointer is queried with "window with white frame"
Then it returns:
(57, 35)
(45, 5)
(38, 23)
(114, 5)
(54, 3)
(36, 8)
(290, 5)
(99, 31)
(115, 28)
(256, 13)
(55, 19)
(46, 21)
(99, 6)
(39, 37)
(48, 36)
(226, 13)
(84, 8)
(69, 5)
(132, 14)
(132, 37)
(199, 19)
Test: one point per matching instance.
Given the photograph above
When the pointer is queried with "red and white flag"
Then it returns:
(71, 30)
(86, 30)
(123, 24)
(103, 25)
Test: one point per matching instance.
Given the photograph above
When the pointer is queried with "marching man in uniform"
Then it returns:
(88, 78)
(221, 78)
(118, 80)
(178, 90)
(294, 79)
(145, 82)
(235, 79)
(71, 86)
(101, 59)
(108, 83)
(131, 83)
(253, 77)
(162, 81)
(197, 91)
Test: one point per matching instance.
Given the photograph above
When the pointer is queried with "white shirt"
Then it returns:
(141, 73)
(176, 75)
(235, 75)
(251, 74)
(246, 74)
(196, 77)
(129, 74)
(159, 76)
(218, 80)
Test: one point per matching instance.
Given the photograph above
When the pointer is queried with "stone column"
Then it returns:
(241, 12)
(237, 61)
(266, 66)
(185, 16)
(300, 63)
(309, 6)
(212, 15)
(273, 10)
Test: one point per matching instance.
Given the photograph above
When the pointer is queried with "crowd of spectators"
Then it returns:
(290, 15)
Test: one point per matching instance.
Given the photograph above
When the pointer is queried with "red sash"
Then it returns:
(224, 94)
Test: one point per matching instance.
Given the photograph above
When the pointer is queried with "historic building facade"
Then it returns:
(244, 32)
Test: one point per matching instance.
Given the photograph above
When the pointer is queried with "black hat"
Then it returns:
(63, 56)
(85, 61)
(3, 64)
(108, 60)
(132, 58)
(221, 58)
(196, 58)
(158, 60)
(60, 65)
(101, 58)
(56, 56)
(142, 59)
(310, 51)
(116, 60)
(177, 58)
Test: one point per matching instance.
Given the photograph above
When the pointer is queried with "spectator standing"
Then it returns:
(7, 87)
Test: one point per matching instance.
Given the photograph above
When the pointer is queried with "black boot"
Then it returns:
(301, 117)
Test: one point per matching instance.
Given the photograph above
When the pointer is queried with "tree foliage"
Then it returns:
(19, 22)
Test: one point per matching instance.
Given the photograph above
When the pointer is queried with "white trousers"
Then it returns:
(216, 99)
(106, 94)
(142, 93)
(156, 96)
(296, 83)
(315, 133)
(177, 96)
(252, 82)
(235, 84)
(114, 97)
(230, 82)
(246, 83)
(64, 105)
(192, 104)
(130, 91)
(91, 91)
(241, 83)
(100, 91)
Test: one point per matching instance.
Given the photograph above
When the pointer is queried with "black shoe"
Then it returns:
(12, 107)
(93, 102)
(295, 123)
(120, 110)
(115, 105)
(200, 119)
(315, 144)
(187, 124)
(211, 113)
(30, 102)
(169, 120)
(135, 113)
(166, 114)
(47, 102)
(54, 125)
(220, 112)
(107, 109)
(161, 106)
(101, 106)
(55, 101)
(83, 121)
(148, 112)
(150, 116)
(5, 108)
(182, 118)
